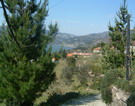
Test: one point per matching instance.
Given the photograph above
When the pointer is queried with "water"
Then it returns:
(56, 48)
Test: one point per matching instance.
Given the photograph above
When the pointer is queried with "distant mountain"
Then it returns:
(63, 39)
(70, 41)
(73, 41)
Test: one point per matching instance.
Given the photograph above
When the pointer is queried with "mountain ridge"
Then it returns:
(74, 41)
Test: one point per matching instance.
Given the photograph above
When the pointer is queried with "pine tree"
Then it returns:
(26, 69)
(64, 54)
(118, 37)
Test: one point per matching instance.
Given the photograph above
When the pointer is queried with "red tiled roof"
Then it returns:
(98, 48)
(69, 54)
(79, 54)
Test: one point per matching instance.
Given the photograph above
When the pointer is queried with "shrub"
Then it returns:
(131, 100)
(106, 83)
(71, 61)
(67, 74)
(76, 75)
(96, 83)
(124, 85)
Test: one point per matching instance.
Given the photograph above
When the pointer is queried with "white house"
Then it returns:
(97, 50)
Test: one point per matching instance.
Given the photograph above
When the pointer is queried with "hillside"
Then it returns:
(73, 41)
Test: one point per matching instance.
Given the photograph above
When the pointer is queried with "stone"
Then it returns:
(125, 98)
(114, 91)
(119, 95)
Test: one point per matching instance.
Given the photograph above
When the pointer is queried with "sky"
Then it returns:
(81, 17)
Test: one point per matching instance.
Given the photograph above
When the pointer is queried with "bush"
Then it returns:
(96, 83)
(71, 61)
(106, 83)
(75, 75)
(131, 100)
(67, 74)
(82, 75)
(107, 95)
(124, 85)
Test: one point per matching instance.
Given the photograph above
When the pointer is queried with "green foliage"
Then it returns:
(102, 44)
(124, 85)
(96, 65)
(72, 74)
(106, 83)
(26, 68)
(107, 95)
(96, 83)
(118, 35)
(64, 54)
(131, 100)
(114, 77)
(60, 54)
(84, 74)
(71, 61)
(67, 74)
(114, 58)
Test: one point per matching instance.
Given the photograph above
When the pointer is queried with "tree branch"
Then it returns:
(12, 35)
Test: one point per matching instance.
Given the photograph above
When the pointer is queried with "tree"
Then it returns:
(64, 54)
(26, 69)
(118, 34)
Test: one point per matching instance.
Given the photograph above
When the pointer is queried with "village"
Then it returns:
(97, 51)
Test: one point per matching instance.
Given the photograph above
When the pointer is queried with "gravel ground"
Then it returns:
(86, 101)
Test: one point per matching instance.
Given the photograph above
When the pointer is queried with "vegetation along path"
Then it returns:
(86, 101)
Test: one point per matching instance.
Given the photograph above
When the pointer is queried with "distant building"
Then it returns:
(79, 54)
(132, 48)
(55, 59)
(112, 47)
(69, 55)
(97, 50)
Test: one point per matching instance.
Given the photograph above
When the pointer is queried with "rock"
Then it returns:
(119, 95)
(125, 98)
(114, 91)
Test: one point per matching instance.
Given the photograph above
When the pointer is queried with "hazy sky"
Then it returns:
(82, 17)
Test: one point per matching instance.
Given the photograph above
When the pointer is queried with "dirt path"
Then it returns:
(86, 101)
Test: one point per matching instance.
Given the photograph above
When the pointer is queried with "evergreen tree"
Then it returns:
(118, 37)
(26, 69)
(64, 54)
